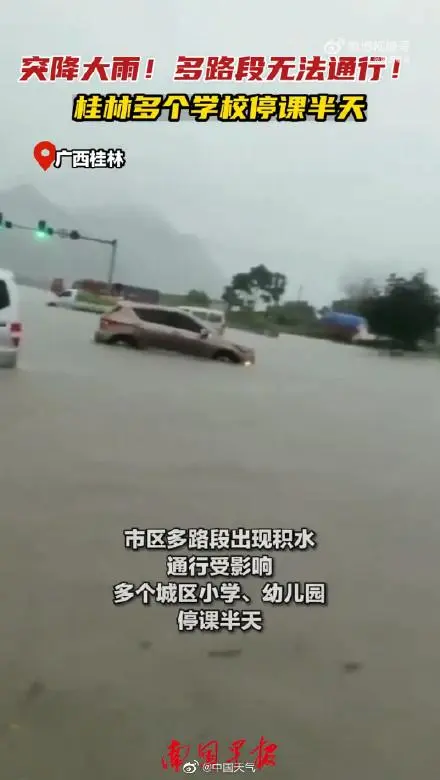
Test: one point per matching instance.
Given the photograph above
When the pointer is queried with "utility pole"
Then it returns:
(111, 270)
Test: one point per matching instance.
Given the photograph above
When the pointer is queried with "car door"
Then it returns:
(154, 330)
(186, 333)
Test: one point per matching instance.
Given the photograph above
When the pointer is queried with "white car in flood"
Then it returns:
(214, 319)
(65, 300)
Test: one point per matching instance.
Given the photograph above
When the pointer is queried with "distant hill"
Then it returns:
(151, 252)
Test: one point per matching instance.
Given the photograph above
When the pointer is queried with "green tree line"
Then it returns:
(403, 309)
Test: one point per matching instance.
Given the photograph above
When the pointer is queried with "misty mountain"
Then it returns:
(151, 252)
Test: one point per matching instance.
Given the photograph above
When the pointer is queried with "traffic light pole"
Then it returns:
(74, 235)
(114, 247)
(22, 227)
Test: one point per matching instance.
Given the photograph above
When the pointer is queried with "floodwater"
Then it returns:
(97, 439)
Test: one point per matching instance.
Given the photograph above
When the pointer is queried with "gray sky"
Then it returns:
(316, 202)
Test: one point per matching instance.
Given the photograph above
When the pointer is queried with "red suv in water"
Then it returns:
(160, 327)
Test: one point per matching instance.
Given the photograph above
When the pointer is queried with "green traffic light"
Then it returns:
(43, 231)
(4, 223)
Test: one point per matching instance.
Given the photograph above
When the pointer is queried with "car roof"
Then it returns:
(135, 305)
(176, 309)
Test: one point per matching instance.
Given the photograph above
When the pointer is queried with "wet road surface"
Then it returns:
(98, 439)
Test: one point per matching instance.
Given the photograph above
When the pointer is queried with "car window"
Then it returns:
(158, 316)
(66, 294)
(181, 321)
(5, 300)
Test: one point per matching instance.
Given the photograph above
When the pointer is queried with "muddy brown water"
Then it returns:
(96, 439)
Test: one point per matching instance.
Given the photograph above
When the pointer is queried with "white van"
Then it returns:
(214, 318)
(11, 328)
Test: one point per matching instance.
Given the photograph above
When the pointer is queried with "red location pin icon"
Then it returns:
(45, 154)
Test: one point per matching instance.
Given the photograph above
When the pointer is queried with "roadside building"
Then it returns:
(129, 292)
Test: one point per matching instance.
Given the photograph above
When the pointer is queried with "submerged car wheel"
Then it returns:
(225, 357)
(126, 341)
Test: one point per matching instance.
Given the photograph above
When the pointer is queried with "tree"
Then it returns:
(345, 306)
(245, 287)
(354, 294)
(259, 283)
(277, 287)
(230, 297)
(260, 278)
(406, 310)
(360, 289)
(197, 298)
(269, 285)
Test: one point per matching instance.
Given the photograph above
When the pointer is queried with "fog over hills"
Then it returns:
(151, 251)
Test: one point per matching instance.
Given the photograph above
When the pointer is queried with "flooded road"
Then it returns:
(97, 439)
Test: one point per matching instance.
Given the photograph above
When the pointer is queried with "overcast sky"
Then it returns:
(317, 202)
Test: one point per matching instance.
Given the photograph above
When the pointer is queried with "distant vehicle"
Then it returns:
(214, 318)
(57, 286)
(342, 326)
(11, 328)
(127, 291)
(77, 299)
(142, 326)
(65, 300)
